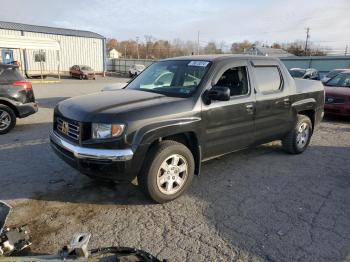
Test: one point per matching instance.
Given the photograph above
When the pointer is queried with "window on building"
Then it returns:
(40, 56)
(236, 80)
(268, 79)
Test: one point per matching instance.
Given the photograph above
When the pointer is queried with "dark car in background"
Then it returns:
(16, 97)
(309, 73)
(332, 74)
(337, 100)
(82, 72)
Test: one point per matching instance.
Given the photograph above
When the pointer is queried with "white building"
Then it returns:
(267, 51)
(50, 50)
(114, 54)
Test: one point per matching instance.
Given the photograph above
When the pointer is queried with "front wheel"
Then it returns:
(299, 137)
(168, 171)
(7, 119)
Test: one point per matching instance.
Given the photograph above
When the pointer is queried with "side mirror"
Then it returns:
(219, 93)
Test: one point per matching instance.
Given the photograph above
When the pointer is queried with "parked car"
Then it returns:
(309, 73)
(82, 72)
(337, 100)
(210, 106)
(16, 97)
(136, 70)
(332, 74)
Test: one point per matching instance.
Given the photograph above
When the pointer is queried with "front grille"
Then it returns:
(334, 100)
(68, 128)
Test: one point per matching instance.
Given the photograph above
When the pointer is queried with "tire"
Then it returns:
(166, 184)
(6, 114)
(81, 77)
(298, 139)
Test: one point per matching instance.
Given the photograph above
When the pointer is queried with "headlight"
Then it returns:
(100, 131)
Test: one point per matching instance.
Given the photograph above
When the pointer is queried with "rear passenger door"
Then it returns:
(229, 125)
(273, 112)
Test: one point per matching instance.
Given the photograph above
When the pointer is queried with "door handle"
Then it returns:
(286, 101)
(250, 108)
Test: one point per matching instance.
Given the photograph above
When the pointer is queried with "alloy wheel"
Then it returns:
(172, 174)
(303, 135)
(5, 120)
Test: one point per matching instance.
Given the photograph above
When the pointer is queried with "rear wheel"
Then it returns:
(299, 138)
(7, 119)
(168, 171)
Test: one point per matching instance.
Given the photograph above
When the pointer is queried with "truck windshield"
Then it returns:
(172, 78)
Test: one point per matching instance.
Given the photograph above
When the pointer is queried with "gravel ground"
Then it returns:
(253, 205)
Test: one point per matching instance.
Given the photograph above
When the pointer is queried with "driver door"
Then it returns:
(229, 125)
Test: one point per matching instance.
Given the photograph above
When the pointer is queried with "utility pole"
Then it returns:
(307, 39)
(137, 47)
(198, 43)
(346, 50)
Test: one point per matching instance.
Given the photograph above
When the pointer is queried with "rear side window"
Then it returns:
(268, 79)
(10, 74)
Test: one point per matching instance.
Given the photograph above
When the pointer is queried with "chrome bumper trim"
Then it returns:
(92, 153)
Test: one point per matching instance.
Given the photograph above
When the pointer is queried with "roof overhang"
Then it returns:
(25, 42)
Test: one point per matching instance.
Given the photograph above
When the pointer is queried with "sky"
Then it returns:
(226, 21)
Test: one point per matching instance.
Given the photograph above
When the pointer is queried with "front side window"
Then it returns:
(173, 78)
(268, 79)
(236, 80)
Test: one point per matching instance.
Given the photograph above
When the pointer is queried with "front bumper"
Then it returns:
(27, 109)
(337, 109)
(113, 164)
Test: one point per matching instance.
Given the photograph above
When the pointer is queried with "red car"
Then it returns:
(338, 95)
(82, 72)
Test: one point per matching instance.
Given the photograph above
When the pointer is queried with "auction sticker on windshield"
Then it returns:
(198, 63)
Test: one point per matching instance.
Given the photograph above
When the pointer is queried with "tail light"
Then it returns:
(24, 84)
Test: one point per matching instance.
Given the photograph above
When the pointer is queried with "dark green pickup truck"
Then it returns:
(182, 111)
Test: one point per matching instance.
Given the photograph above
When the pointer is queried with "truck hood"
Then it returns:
(106, 106)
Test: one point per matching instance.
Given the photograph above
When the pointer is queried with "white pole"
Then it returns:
(198, 43)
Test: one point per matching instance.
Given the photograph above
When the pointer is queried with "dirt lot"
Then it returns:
(255, 205)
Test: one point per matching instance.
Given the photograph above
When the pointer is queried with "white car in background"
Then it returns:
(136, 70)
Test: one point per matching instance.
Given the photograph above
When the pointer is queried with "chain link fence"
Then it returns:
(122, 65)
